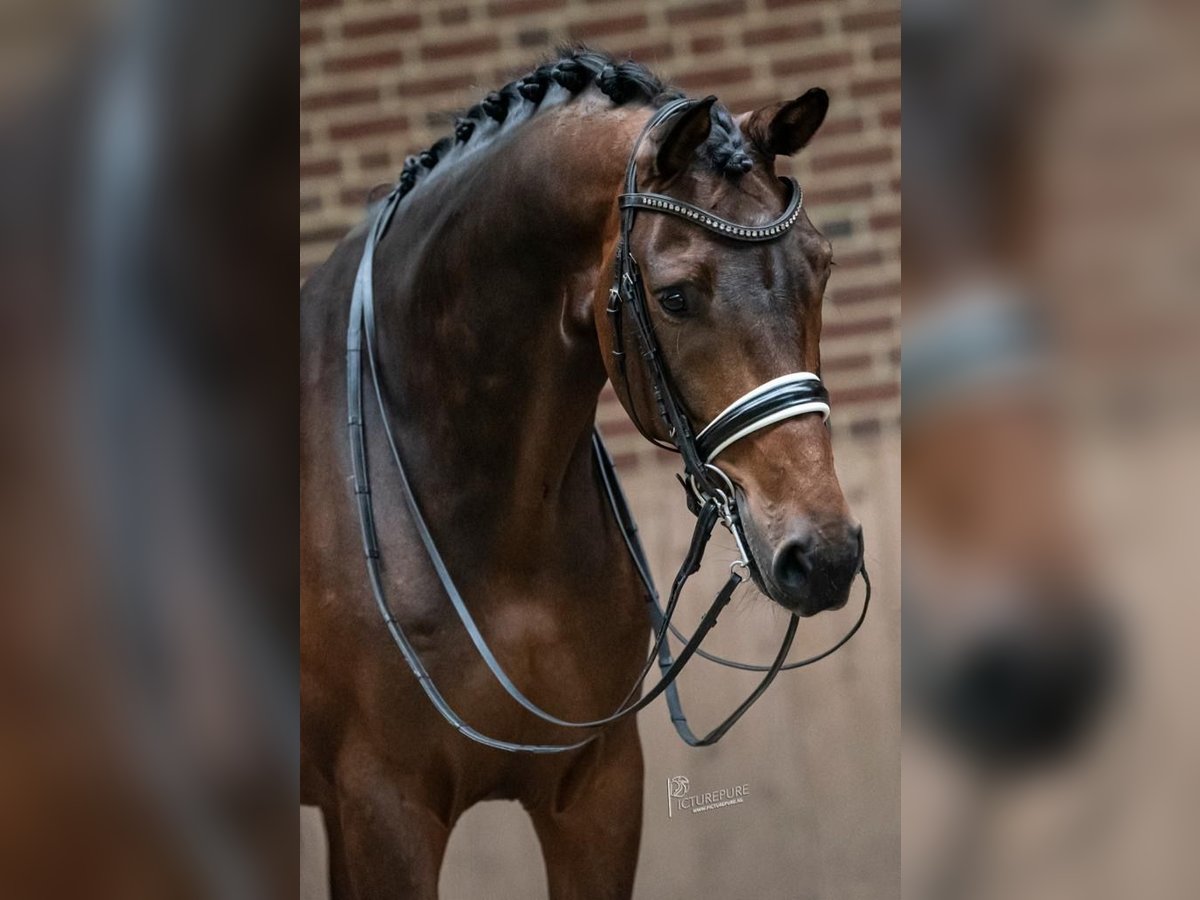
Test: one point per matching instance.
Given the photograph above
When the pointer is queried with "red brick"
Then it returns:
(601, 27)
(359, 195)
(438, 120)
(382, 25)
(502, 8)
(710, 79)
(376, 160)
(873, 325)
(867, 156)
(652, 54)
(873, 87)
(378, 59)
(322, 235)
(818, 62)
(421, 87)
(869, 427)
(315, 167)
(454, 15)
(868, 21)
(885, 221)
(788, 45)
(886, 52)
(467, 47)
(707, 43)
(339, 98)
(739, 101)
(621, 424)
(862, 191)
(627, 460)
(846, 363)
(501, 75)
(533, 37)
(777, 34)
(845, 125)
(864, 293)
(859, 260)
(862, 393)
(368, 127)
(695, 12)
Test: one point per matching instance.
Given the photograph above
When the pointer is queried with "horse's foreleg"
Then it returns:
(390, 845)
(340, 887)
(591, 844)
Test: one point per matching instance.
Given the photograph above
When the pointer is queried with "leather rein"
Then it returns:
(710, 492)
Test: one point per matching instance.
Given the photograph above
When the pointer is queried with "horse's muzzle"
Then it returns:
(811, 572)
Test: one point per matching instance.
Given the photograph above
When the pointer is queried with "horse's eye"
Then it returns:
(673, 302)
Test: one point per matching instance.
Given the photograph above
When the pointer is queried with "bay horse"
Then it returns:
(493, 344)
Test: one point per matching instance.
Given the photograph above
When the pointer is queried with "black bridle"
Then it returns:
(711, 496)
(781, 398)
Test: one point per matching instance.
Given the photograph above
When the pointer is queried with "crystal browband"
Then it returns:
(714, 223)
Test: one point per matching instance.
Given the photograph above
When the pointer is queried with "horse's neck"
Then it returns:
(486, 328)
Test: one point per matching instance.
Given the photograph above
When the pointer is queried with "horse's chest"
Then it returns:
(561, 636)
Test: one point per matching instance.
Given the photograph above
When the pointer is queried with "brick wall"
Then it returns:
(378, 76)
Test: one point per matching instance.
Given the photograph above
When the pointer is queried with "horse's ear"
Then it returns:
(781, 129)
(685, 133)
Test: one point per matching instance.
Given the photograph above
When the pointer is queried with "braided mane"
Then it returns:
(576, 69)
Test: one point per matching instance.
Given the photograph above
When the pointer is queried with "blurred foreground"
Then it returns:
(1051, 433)
(148, 736)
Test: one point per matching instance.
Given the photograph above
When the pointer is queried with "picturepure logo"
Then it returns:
(679, 796)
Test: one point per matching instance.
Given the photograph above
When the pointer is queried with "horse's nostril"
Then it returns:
(793, 562)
